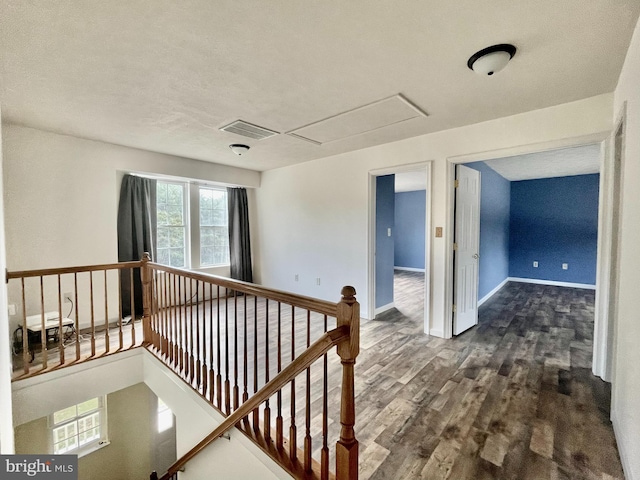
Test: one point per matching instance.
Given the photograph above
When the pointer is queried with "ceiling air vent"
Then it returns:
(240, 127)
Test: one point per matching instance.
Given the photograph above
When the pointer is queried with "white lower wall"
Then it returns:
(626, 380)
(313, 217)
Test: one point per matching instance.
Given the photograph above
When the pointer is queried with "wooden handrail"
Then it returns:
(310, 355)
(314, 304)
(61, 271)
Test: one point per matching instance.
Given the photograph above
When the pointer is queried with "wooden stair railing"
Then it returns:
(218, 334)
(311, 354)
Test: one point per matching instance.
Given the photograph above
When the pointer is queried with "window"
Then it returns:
(172, 224)
(80, 428)
(165, 417)
(214, 234)
(192, 225)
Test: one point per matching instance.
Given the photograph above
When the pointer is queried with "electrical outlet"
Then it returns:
(68, 297)
(388, 232)
(296, 277)
(12, 309)
(535, 264)
(565, 266)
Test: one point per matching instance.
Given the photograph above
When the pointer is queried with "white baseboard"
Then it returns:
(410, 269)
(623, 449)
(588, 286)
(384, 308)
(436, 333)
(493, 292)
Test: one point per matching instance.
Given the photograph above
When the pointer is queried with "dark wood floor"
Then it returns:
(513, 398)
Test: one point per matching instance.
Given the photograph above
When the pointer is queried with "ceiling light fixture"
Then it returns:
(239, 148)
(492, 59)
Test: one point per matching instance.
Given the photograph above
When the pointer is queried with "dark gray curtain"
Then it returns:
(137, 225)
(239, 242)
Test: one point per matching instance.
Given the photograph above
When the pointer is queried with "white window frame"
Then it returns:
(87, 447)
(199, 227)
(186, 220)
(191, 218)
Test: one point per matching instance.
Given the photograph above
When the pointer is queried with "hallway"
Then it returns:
(512, 398)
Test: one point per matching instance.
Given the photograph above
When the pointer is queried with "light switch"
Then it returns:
(388, 232)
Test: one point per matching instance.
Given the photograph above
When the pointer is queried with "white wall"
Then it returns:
(313, 217)
(128, 454)
(6, 423)
(61, 199)
(626, 380)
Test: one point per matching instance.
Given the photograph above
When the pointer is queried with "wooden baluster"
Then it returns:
(293, 431)
(180, 318)
(43, 331)
(267, 409)
(77, 319)
(347, 446)
(205, 369)
(236, 393)
(132, 298)
(25, 333)
(106, 314)
(324, 453)
(219, 359)
(307, 410)
(279, 426)
(176, 321)
(147, 298)
(245, 371)
(163, 313)
(169, 309)
(60, 326)
(227, 383)
(192, 362)
(256, 412)
(120, 336)
(154, 322)
(93, 319)
(211, 370)
(186, 328)
(198, 365)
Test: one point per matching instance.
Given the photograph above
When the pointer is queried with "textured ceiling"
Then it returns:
(554, 163)
(164, 76)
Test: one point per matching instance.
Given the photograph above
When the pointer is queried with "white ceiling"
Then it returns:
(554, 163)
(164, 76)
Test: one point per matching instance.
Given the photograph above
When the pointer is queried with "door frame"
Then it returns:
(600, 137)
(371, 240)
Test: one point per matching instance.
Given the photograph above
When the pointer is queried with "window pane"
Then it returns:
(214, 248)
(177, 257)
(64, 415)
(176, 237)
(163, 237)
(163, 256)
(87, 406)
(171, 224)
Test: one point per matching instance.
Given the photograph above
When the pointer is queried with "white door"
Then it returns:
(467, 239)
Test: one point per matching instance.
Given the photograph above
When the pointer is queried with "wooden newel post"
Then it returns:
(147, 297)
(347, 446)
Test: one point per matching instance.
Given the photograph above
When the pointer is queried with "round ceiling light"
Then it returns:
(239, 148)
(492, 59)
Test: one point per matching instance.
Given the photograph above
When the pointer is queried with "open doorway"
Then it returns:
(538, 223)
(400, 208)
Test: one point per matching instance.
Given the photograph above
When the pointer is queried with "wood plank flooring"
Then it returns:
(513, 398)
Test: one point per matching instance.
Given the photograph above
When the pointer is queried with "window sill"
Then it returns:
(92, 448)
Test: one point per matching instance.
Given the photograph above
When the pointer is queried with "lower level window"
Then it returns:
(80, 428)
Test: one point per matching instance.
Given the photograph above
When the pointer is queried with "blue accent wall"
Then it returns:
(385, 210)
(495, 201)
(555, 221)
(410, 215)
